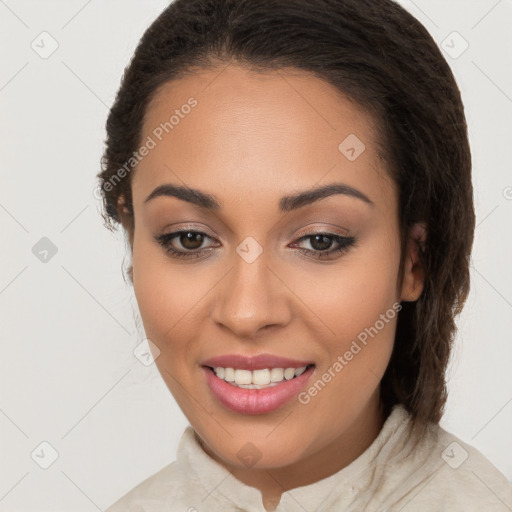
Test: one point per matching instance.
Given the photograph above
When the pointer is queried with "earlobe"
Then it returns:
(123, 211)
(129, 273)
(414, 273)
(127, 223)
(126, 218)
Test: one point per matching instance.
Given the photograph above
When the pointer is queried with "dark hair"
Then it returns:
(381, 57)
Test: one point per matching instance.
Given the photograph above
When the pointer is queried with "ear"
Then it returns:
(122, 210)
(127, 223)
(126, 218)
(129, 273)
(414, 273)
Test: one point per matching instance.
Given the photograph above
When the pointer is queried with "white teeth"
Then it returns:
(289, 373)
(255, 386)
(261, 377)
(257, 379)
(229, 375)
(243, 377)
(276, 375)
(300, 371)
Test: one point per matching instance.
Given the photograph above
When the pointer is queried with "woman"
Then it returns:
(294, 179)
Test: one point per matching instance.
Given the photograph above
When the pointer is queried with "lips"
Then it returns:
(255, 401)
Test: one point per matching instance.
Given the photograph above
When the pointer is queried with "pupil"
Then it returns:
(191, 240)
(321, 242)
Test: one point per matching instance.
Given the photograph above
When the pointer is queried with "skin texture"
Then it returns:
(251, 139)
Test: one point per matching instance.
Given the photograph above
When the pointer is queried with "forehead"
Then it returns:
(247, 128)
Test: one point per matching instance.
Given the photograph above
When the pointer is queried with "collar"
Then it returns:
(356, 482)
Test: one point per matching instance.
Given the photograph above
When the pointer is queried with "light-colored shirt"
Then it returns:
(441, 473)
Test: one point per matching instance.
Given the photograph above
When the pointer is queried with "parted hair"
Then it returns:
(382, 58)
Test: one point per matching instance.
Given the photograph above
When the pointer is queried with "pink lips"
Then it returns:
(255, 401)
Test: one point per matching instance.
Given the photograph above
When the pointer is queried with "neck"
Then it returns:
(343, 450)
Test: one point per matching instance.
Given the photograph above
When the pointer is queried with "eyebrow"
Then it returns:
(286, 203)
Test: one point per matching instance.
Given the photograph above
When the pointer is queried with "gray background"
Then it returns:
(69, 324)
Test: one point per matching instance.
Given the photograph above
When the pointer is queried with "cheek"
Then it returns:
(351, 295)
(165, 293)
(356, 308)
(354, 359)
(167, 301)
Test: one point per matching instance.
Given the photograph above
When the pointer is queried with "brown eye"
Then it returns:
(186, 244)
(191, 240)
(321, 242)
(325, 245)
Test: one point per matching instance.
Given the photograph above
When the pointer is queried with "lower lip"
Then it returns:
(255, 401)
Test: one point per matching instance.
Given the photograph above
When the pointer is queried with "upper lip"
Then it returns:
(257, 362)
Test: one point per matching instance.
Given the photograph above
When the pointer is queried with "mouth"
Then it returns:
(257, 379)
(249, 388)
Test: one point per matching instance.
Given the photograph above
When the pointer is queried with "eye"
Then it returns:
(185, 243)
(190, 244)
(322, 245)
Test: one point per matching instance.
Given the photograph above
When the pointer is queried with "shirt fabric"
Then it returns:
(441, 473)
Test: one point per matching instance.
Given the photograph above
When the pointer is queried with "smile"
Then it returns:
(255, 385)
(257, 379)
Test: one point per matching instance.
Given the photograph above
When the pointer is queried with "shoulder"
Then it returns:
(445, 473)
(173, 486)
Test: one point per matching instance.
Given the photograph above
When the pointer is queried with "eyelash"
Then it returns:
(344, 244)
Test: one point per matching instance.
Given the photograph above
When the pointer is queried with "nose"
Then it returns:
(251, 298)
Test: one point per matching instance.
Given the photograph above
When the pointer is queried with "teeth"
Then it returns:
(276, 375)
(257, 379)
(243, 377)
(229, 375)
(289, 373)
(261, 377)
(300, 371)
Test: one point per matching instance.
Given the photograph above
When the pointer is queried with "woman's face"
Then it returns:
(266, 281)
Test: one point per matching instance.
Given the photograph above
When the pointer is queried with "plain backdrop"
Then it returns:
(69, 377)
